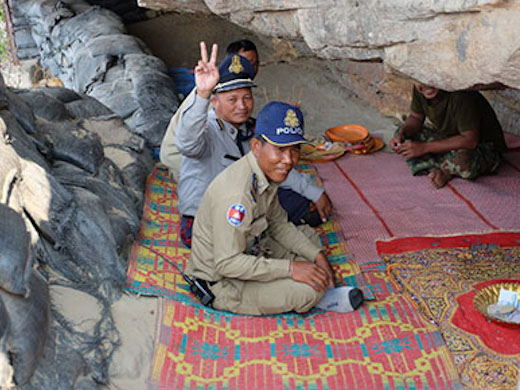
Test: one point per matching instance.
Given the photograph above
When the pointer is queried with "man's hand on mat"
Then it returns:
(310, 273)
(324, 207)
(321, 261)
(411, 149)
(395, 142)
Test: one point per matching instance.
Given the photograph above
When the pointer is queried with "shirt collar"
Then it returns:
(232, 130)
(263, 182)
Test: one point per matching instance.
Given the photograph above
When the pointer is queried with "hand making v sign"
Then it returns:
(206, 72)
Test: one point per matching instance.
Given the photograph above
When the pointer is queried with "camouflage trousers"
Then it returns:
(465, 163)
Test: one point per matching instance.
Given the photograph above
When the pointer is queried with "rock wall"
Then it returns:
(453, 44)
(375, 48)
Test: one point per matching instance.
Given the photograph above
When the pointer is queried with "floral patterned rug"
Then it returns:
(440, 275)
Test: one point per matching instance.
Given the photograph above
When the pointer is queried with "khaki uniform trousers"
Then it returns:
(273, 297)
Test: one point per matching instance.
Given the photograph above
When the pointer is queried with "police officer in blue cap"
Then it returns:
(211, 140)
(245, 251)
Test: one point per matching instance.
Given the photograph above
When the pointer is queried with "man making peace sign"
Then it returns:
(210, 140)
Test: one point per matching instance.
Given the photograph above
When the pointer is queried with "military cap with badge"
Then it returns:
(235, 72)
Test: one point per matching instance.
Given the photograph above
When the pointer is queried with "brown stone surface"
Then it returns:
(195, 6)
(284, 74)
(454, 46)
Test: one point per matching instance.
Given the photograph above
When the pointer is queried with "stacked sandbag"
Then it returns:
(6, 370)
(39, 349)
(88, 49)
(26, 47)
(28, 318)
(71, 196)
(24, 301)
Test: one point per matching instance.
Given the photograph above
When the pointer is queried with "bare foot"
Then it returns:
(438, 177)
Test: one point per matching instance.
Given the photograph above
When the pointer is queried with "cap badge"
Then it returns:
(236, 66)
(291, 119)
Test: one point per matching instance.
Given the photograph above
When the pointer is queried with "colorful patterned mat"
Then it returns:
(440, 276)
(158, 246)
(382, 345)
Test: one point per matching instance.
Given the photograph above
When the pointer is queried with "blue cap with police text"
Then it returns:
(235, 72)
(280, 124)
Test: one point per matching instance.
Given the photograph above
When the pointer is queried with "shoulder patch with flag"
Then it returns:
(236, 214)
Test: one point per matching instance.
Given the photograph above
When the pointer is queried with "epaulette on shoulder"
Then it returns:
(221, 124)
(254, 187)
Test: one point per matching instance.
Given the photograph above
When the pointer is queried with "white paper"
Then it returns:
(507, 297)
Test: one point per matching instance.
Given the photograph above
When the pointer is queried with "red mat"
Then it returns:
(512, 141)
(376, 197)
(385, 344)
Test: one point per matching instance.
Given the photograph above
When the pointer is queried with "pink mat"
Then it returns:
(376, 197)
(512, 141)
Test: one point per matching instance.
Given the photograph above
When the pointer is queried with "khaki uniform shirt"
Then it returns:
(239, 208)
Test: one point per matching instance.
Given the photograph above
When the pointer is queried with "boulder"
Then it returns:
(453, 44)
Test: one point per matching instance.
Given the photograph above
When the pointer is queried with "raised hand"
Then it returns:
(206, 71)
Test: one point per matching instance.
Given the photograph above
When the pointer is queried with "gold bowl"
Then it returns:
(489, 295)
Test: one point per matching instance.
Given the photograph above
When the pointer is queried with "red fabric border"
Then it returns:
(471, 206)
(409, 244)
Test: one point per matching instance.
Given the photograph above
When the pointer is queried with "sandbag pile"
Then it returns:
(87, 48)
(72, 177)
